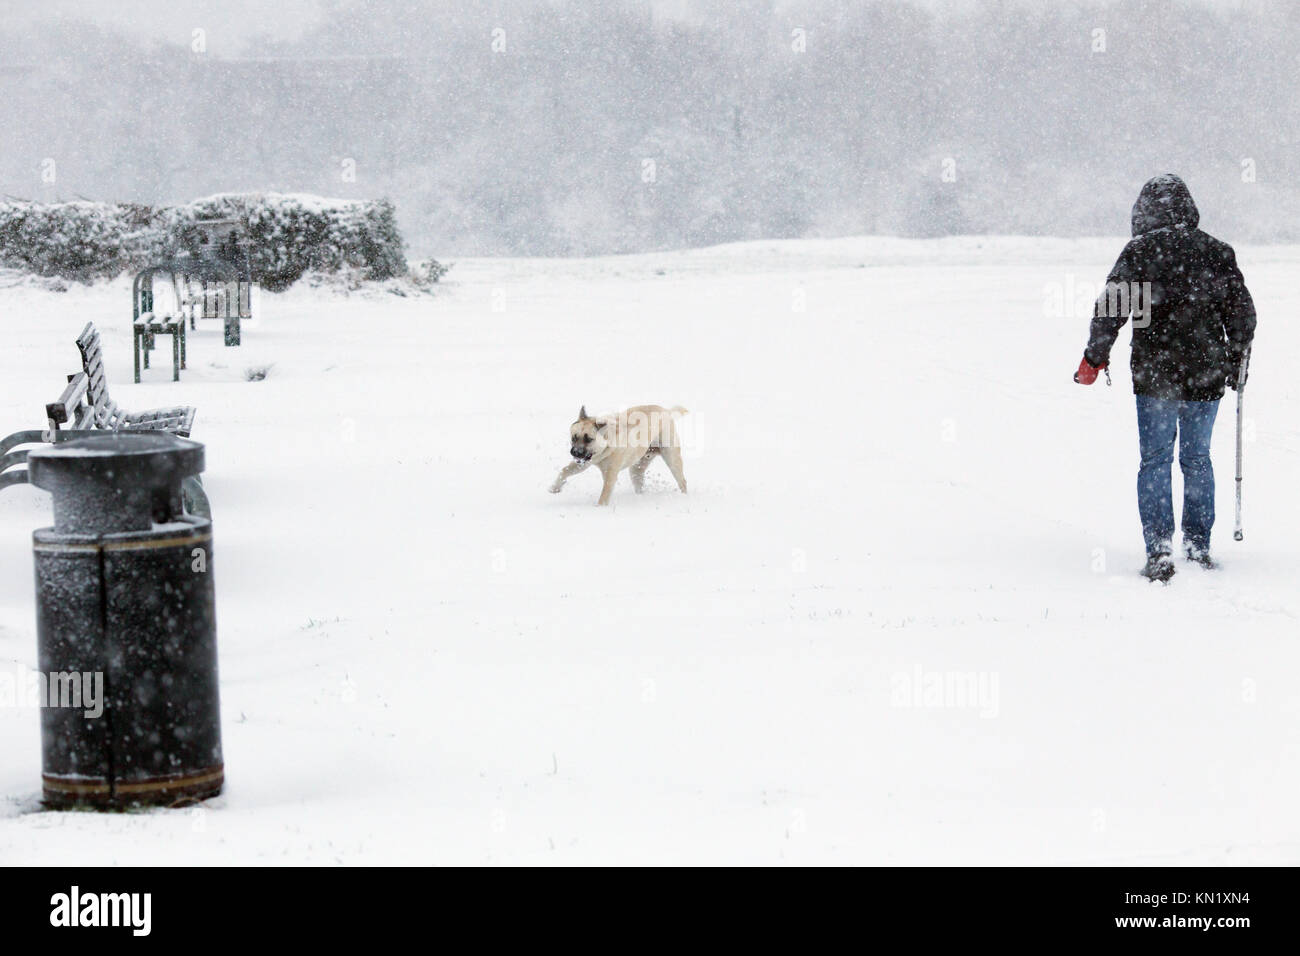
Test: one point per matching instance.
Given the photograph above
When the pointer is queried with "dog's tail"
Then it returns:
(678, 410)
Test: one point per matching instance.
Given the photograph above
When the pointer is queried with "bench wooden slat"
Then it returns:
(155, 414)
(91, 352)
(87, 334)
(159, 425)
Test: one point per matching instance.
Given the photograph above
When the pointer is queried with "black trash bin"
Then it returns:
(124, 589)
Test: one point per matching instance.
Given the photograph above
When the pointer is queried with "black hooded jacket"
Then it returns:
(1188, 338)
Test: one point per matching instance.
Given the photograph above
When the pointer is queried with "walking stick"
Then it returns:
(1237, 533)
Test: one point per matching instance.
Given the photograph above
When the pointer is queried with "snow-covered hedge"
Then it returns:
(288, 236)
(293, 234)
(82, 241)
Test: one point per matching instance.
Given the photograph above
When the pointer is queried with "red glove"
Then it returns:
(1087, 373)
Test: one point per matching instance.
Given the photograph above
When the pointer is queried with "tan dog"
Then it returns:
(629, 439)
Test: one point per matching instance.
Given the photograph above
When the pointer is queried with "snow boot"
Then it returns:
(1200, 556)
(1159, 567)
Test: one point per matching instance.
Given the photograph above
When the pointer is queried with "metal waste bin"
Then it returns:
(124, 590)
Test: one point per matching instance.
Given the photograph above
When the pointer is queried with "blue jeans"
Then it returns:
(1159, 420)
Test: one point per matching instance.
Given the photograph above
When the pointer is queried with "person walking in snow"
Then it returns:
(1193, 325)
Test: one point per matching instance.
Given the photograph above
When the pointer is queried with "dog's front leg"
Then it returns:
(567, 472)
(611, 476)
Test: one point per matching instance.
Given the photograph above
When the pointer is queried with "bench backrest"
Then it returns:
(92, 361)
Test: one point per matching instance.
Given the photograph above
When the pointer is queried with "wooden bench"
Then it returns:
(107, 415)
(85, 408)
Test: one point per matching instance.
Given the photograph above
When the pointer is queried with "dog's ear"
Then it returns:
(582, 413)
(600, 425)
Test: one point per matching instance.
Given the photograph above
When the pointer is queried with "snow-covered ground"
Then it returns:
(894, 487)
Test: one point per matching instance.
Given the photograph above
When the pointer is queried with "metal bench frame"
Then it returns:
(146, 326)
(143, 332)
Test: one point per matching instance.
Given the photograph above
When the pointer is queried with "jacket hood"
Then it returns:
(1164, 201)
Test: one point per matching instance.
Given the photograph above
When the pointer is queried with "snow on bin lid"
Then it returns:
(129, 459)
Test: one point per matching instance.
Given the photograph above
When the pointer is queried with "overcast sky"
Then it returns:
(228, 23)
(721, 129)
